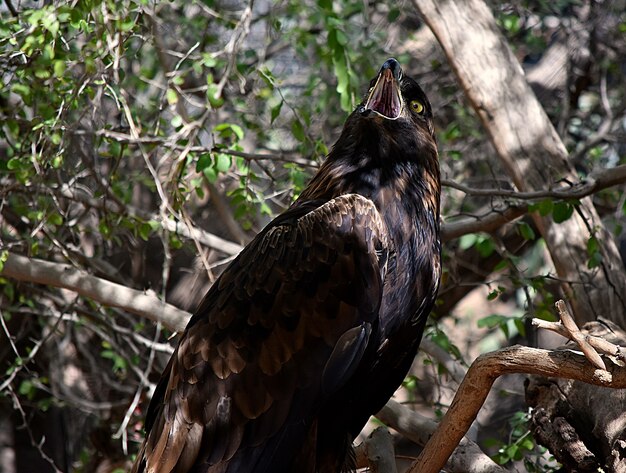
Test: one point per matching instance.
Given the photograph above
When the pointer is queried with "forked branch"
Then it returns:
(516, 359)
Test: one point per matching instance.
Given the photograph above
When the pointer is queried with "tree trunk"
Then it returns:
(530, 149)
(583, 426)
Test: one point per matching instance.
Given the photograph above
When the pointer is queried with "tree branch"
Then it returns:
(106, 292)
(481, 376)
(589, 344)
(467, 458)
(587, 186)
(377, 452)
(488, 222)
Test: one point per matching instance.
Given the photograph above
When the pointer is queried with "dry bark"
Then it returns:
(466, 458)
(112, 294)
(584, 426)
(480, 378)
(530, 149)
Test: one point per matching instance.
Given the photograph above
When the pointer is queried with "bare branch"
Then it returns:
(481, 376)
(109, 293)
(489, 222)
(377, 452)
(589, 344)
(468, 458)
(588, 186)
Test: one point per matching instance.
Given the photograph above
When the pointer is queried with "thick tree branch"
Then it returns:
(467, 458)
(377, 452)
(481, 376)
(106, 292)
(488, 222)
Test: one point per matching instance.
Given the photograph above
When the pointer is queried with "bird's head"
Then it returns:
(393, 96)
(394, 118)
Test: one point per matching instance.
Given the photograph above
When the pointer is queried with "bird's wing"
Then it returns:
(282, 328)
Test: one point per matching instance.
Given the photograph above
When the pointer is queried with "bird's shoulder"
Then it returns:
(300, 246)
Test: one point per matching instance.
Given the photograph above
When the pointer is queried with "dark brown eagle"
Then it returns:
(315, 324)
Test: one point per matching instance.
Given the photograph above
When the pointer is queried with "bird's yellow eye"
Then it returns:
(417, 106)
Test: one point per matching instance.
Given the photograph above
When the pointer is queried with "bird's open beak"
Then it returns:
(385, 98)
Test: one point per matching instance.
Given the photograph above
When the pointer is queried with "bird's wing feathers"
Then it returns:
(282, 329)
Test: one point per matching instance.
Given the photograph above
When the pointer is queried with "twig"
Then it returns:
(31, 353)
(590, 345)
(590, 185)
(240, 33)
(11, 8)
(37, 445)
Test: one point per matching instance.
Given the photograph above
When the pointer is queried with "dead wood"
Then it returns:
(584, 426)
(487, 368)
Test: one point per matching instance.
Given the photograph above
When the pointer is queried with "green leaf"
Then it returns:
(204, 161)
(485, 247)
(544, 207)
(145, 230)
(394, 13)
(171, 96)
(210, 173)
(297, 130)
(496, 320)
(4, 256)
(55, 219)
(212, 94)
(520, 325)
(222, 162)
(27, 388)
(14, 163)
(175, 242)
(208, 60)
(593, 250)
(501, 265)
(267, 77)
(42, 73)
(562, 211)
(526, 231)
(467, 241)
(275, 111)
(229, 130)
(23, 91)
(492, 321)
(342, 39)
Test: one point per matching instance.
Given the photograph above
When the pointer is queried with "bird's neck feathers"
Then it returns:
(398, 171)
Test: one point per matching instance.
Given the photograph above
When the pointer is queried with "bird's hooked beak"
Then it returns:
(385, 98)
